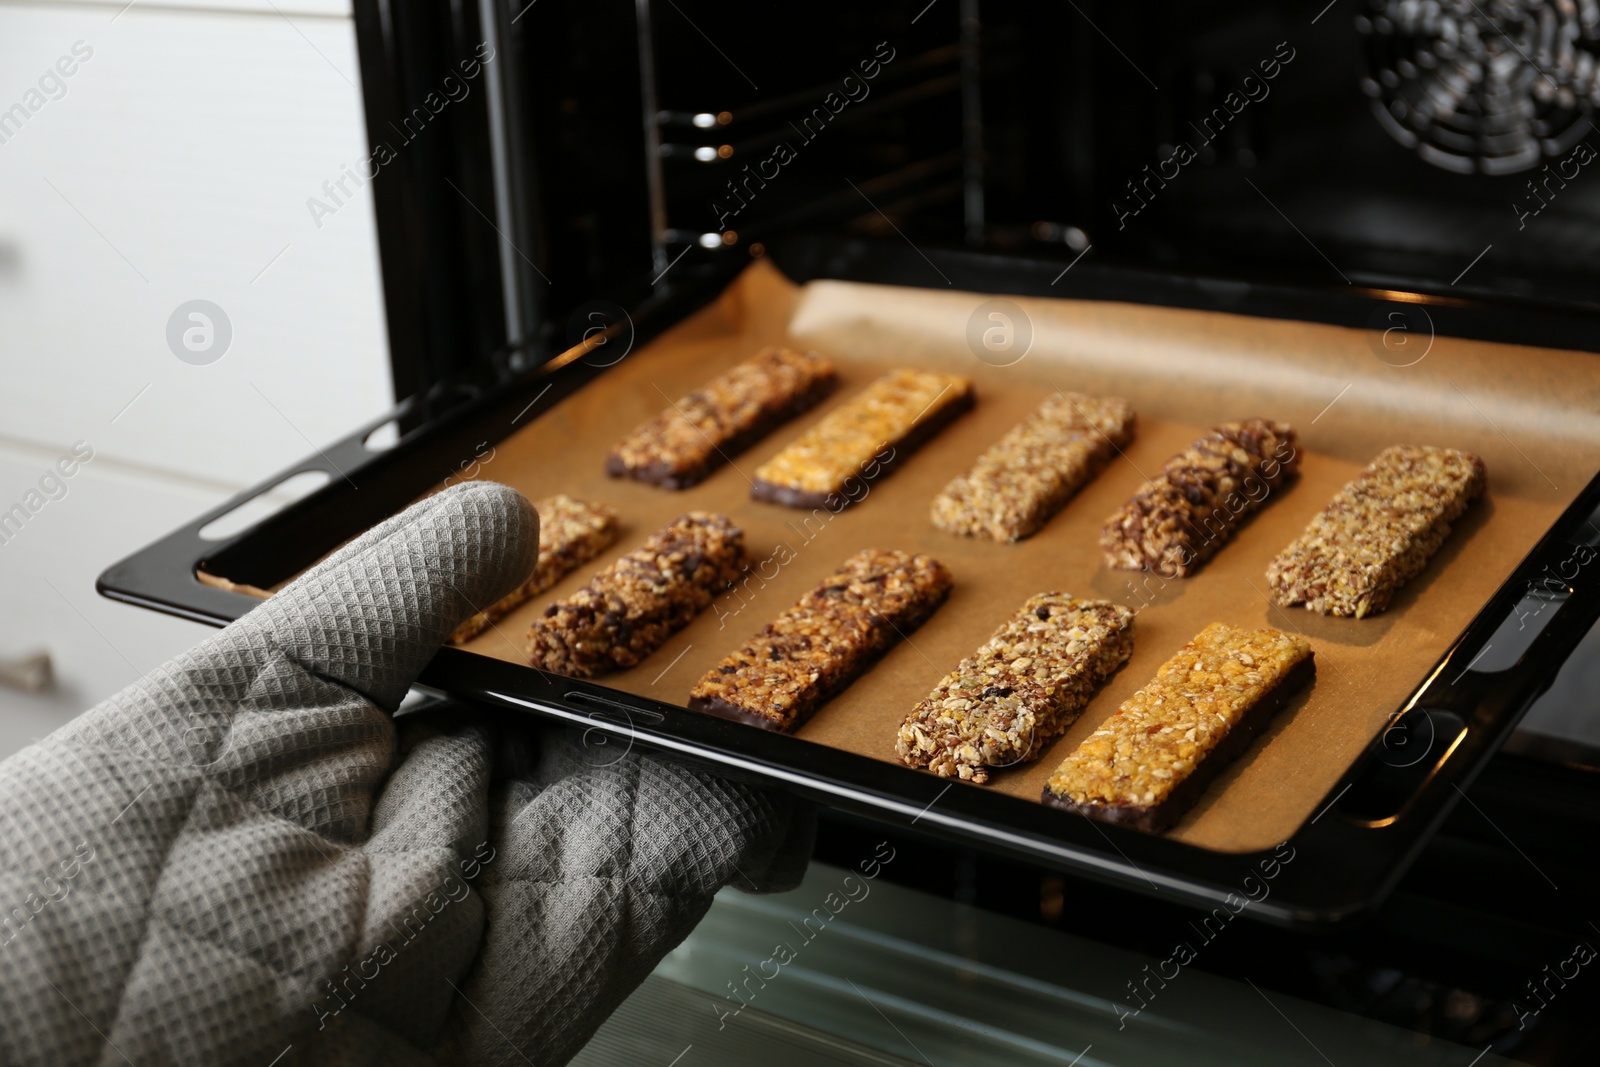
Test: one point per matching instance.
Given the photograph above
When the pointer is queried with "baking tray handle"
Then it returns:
(1478, 692)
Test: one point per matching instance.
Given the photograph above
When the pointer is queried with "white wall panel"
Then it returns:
(292, 8)
(47, 573)
(173, 164)
(176, 165)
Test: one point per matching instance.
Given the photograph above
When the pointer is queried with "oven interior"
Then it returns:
(1434, 160)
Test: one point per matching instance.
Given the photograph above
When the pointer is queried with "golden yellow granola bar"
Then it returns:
(571, 533)
(626, 611)
(1150, 761)
(1180, 519)
(1378, 532)
(813, 650)
(863, 439)
(1030, 473)
(1005, 703)
(684, 444)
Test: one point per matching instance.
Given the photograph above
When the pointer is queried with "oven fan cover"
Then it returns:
(1490, 86)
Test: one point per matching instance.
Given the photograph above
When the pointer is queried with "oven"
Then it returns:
(1377, 215)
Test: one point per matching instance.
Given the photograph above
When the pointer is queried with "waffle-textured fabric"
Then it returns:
(243, 858)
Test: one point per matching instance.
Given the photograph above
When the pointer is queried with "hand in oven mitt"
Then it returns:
(243, 855)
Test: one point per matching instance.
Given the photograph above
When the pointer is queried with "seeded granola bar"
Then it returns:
(571, 533)
(1378, 532)
(1031, 472)
(1004, 704)
(863, 439)
(1151, 760)
(1180, 519)
(815, 649)
(684, 444)
(626, 611)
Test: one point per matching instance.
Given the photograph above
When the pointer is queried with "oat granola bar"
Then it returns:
(1378, 532)
(1005, 703)
(1181, 518)
(815, 649)
(627, 610)
(1150, 761)
(866, 437)
(684, 444)
(1031, 472)
(571, 533)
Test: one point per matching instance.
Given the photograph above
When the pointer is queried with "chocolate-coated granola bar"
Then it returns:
(571, 533)
(1177, 521)
(1378, 532)
(684, 444)
(805, 656)
(1031, 472)
(831, 464)
(626, 611)
(1149, 762)
(1005, 703)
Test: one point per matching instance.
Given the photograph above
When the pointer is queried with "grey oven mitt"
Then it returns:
(244, 859)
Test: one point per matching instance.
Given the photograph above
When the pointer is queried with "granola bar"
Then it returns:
(1180, 519)
(1031, 472)
(866, 437)
(815, 649)
(626, 611)
(684, 444)
(1149, 762)
(1004, 704)
(1378, 532)
(571, 533)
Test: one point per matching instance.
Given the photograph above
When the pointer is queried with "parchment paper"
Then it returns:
(1534, 415)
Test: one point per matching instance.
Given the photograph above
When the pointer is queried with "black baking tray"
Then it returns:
(1345, 859)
